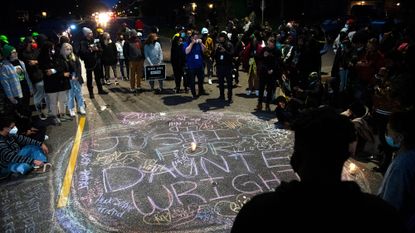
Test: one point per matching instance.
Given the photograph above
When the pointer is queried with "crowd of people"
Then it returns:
(370, 83)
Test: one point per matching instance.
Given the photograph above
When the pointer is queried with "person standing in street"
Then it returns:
(90, 52)
(194, 61)
(223, 56)
(153, 56)
(208, 53)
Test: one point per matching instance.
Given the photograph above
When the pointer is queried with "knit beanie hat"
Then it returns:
(86, 31)
(7, 50)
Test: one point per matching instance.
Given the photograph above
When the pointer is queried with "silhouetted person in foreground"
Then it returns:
(320, 202)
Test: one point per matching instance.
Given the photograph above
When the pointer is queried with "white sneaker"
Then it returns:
(257, 93)
(72, 112)
(248, 92)
(82, 110)
(210, 81)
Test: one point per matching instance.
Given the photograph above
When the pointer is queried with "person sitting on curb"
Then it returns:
(18, 153)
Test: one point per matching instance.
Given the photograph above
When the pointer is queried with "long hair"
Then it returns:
(152, 37)
(71, 56)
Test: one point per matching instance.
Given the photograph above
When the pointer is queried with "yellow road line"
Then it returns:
(66, 186)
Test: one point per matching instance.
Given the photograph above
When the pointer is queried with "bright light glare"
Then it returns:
(72, 27)
(103, 18)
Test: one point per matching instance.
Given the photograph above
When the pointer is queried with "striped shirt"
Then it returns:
(10, 147)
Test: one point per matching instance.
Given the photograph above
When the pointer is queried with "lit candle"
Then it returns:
(352, 168)
(193, 146)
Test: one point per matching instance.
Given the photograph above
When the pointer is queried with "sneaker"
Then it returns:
(82, 110)
(210, 81)
(66, 117)
(248, 92)
(42, 116)
(56, 121)
(72, 113)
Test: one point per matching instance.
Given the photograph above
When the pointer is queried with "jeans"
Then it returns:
(208, 62)
(75, 93)
(269, 83)
(343, 74)
(39, 95)
(152, 83)
(200, 78)
(124, 68)
(178, 72)
(98, 75)
(107, 72)
(225, 74)
(32, 151)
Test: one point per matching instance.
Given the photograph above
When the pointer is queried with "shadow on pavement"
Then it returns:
(212, 104)
(262, 115)
(176, 100)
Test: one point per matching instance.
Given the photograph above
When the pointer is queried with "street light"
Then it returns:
(398, 4)
(210, 5)
(44, 14)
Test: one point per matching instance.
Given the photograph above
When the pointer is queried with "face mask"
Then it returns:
(14, 130)
(391, 142)
(34, 45)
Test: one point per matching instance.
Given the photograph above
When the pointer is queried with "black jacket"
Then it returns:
(90, 58)
(35, 74)
(224, 58)
(299, 207)
(56, 82)
(109, 54)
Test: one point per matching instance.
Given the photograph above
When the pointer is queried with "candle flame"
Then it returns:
(352, 168)
(193, 146)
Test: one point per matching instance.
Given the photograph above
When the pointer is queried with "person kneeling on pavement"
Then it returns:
(18, 153)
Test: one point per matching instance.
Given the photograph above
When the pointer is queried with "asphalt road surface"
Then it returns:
(156, 163)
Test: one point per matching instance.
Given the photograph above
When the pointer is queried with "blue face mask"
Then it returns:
(391, 142)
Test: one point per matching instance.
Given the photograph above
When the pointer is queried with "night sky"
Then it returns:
(109, 3)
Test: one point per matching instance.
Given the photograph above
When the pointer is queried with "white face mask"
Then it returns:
(14, 130)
